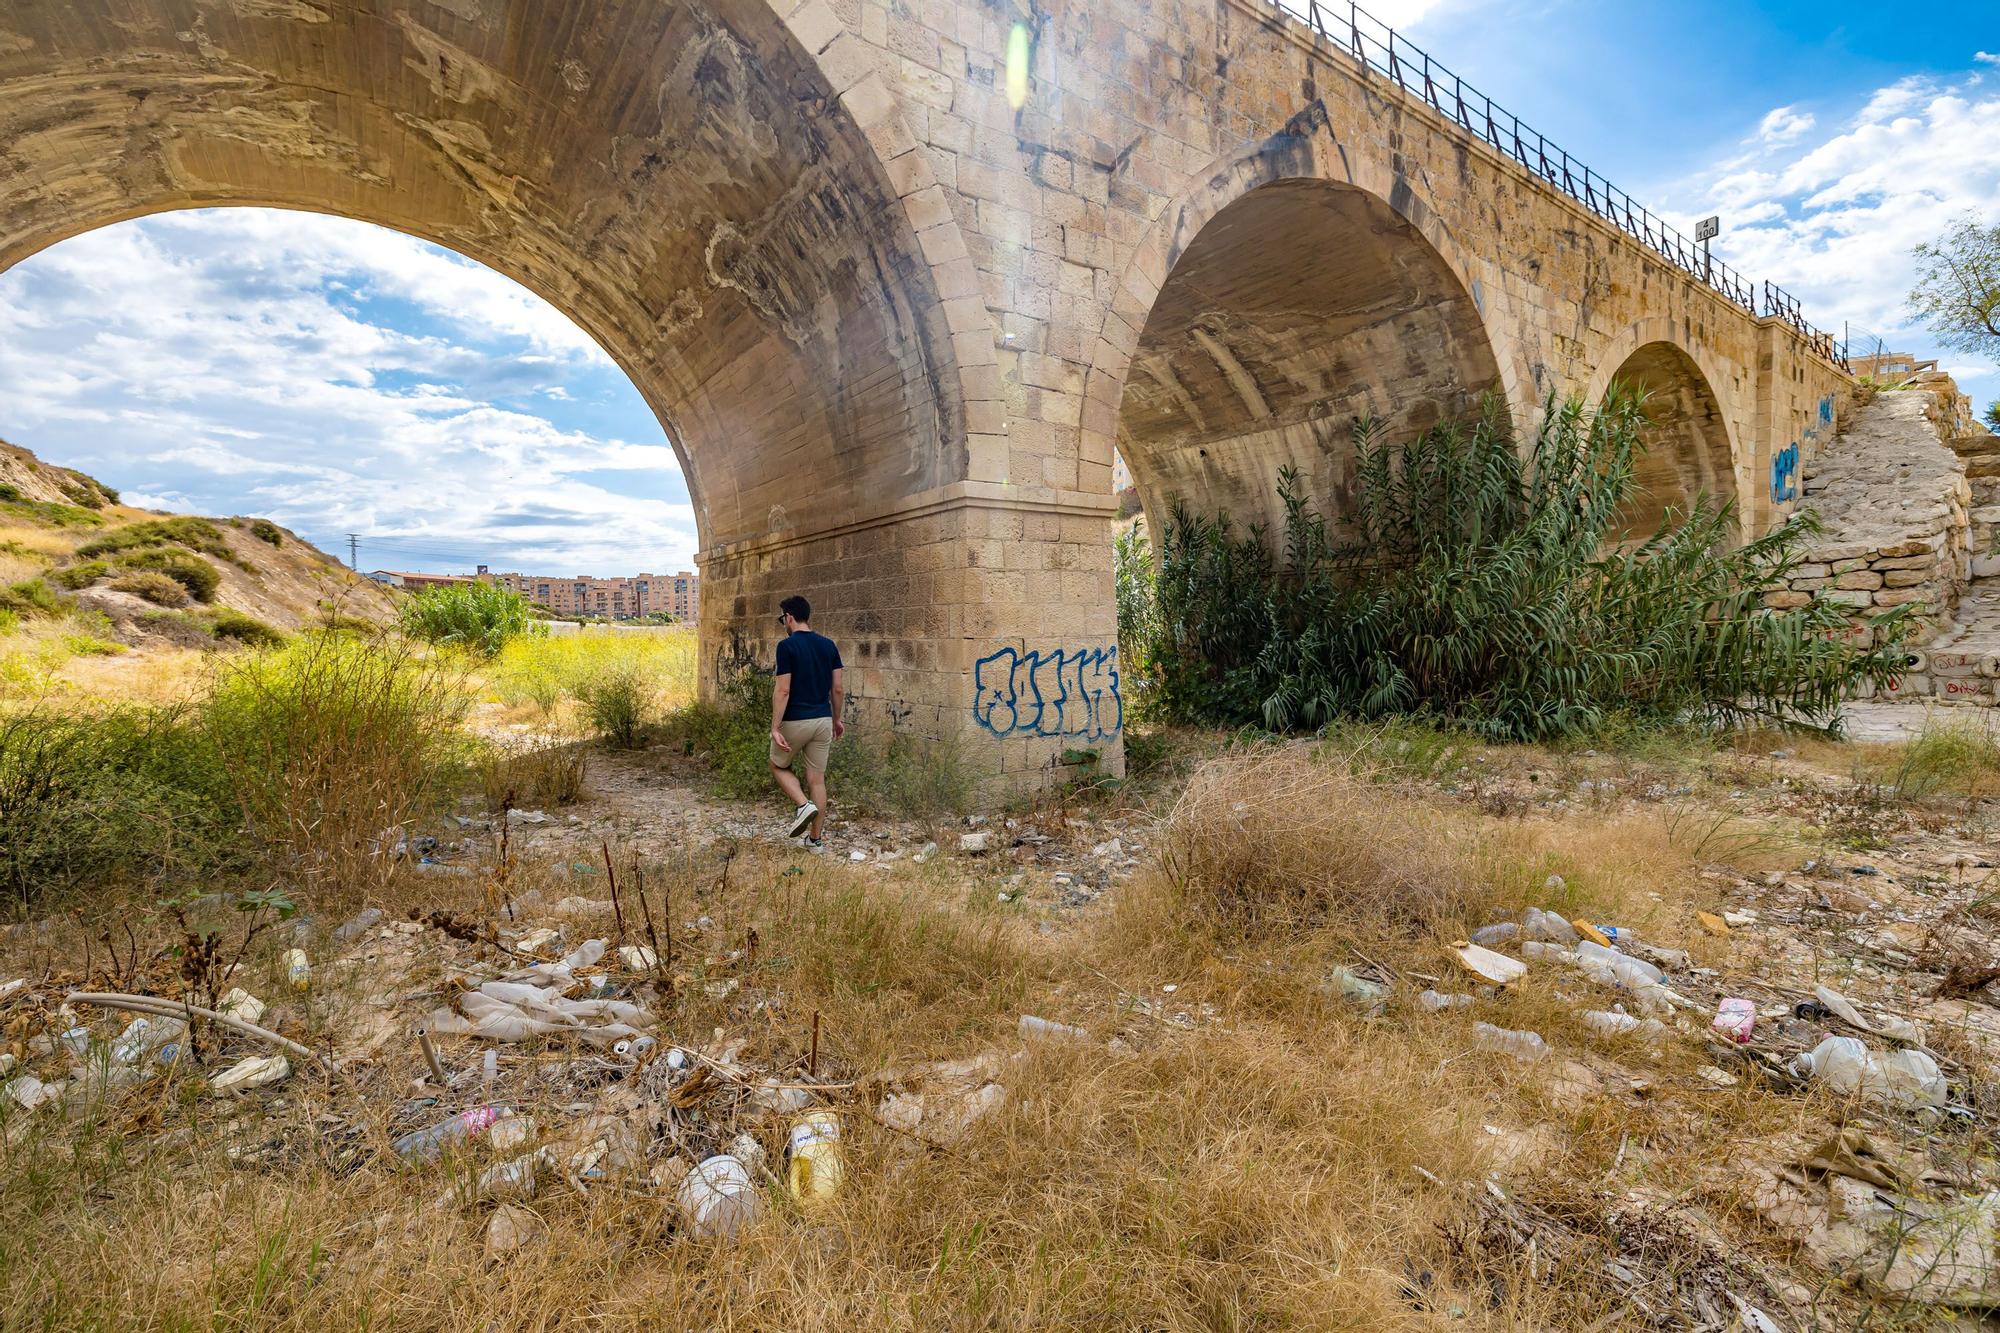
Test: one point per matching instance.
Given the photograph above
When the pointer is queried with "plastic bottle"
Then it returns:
(1900, 1078)
(1437, 1001)
(813, 1169)
(1609, 1023)
(1520, 1045)
(298, 969)
(718, 1198)
(1549, 927)
(357, 926)
(1537, 951)
(131, 1043)
(1035, 1029)
(428, 1144)
(1498, 933)
(1621, 937)
(1623, 966)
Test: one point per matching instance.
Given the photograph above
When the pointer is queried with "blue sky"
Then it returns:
(340, 378)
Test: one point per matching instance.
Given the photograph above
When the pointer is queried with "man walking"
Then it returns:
(805, 715)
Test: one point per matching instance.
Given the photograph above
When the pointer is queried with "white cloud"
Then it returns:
(338, 378)
(1784, 124)
(1986, 57)
(1832, 216)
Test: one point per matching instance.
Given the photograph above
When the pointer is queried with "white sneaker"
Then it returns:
(803, 818)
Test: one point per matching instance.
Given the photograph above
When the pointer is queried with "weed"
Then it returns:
(900, 774)
(264, 530)
(541, 775)
(1959, 758)
(331, 744)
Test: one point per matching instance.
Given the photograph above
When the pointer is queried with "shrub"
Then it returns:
(30, 597)
(127, 793)
(196, 534)
(200, 578)
(1483, 590)
(157, 588)
(478, 616)
(617, 701)
(899, 774)
(228, 623)
(731, 735)
(9, 491)
(53, 513)
(77, 577)
(1958, 757)
(264, 530)
(331, 744)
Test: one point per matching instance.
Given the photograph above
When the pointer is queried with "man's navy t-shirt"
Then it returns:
(810, 659)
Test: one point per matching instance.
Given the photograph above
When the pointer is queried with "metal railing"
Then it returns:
(1376, 48)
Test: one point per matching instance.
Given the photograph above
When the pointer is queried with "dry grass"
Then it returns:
(1253, 1153)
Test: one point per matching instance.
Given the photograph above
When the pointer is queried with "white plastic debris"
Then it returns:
(972, 844)
(298, 969)
(1497, 968)
(1039, 1029)
(718, 1198)
(1906, 1079)
(240, 1003)
(1506, 1041)
(1610, 1023)
(257, 1071)
(637, 958)
(1437, 1001)
(1842, 1007)
(30, 1093)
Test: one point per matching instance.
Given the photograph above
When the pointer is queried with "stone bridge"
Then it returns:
(898, 275)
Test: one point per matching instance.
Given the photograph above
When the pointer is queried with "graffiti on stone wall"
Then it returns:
(1067, 692)
(1785, 475)
(1785, 465)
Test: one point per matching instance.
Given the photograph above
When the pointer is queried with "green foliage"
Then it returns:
(1949, 758)
(1993, 415)
(228, 623)
(547, 670)
(9, 491)
(732, 735)
(49, 513)
(897, 774)
(1136, 580)
(9, 621)
(264, 530)
(1484, 591)
(617, 701)
(132, 793)
(1957, 292)
(196, 534)
(157, 588)
(30, 597)
(477, 616)
(193, 573)
(81, 576)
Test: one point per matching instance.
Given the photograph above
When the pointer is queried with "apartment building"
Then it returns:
(676, 595)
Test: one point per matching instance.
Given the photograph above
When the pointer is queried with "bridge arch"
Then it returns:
(1345, 297)
(1690, 443)
(731, 204)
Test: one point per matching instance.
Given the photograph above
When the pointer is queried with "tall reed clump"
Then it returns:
(333, 742)
(1491, 592)
(477, 616)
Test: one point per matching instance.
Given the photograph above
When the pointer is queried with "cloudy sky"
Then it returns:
(340, 378)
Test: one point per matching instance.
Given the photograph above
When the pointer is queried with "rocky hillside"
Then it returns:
(67, 544)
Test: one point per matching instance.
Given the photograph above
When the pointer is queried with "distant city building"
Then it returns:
(397, 578)
(676, 595)
(1890, 365)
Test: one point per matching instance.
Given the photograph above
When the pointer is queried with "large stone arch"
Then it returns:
(1690, 433)
(728, 200)
(1346, 297)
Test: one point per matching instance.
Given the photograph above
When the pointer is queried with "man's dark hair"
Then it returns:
(798, 608)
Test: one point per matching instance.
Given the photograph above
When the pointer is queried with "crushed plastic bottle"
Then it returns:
(1549, 927)
(1905, 1079)
(1498, 933)
(717, 1197)
(357, 925)
(1611, 1023)
(813, 1169)
(1437, 1001)
(1537, 951)
(428, 1144)
(1037, 1029)
(1506, 1041)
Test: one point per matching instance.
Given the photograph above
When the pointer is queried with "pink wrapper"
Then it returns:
(1734, 1019)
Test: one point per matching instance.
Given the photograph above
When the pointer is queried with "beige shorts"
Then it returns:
(810, 739)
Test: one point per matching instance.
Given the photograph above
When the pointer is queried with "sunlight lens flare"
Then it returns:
(1017, 66)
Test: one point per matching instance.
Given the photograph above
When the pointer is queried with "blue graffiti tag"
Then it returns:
(1060, 693)
(1785, 474)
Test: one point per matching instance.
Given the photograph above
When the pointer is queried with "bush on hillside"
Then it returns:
(200, 578)
(30, 597)
(477, 616)
(1482, 589)
(227, 623)
(155, 587)
(264, 530)
(78, 577)
(196, 534)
